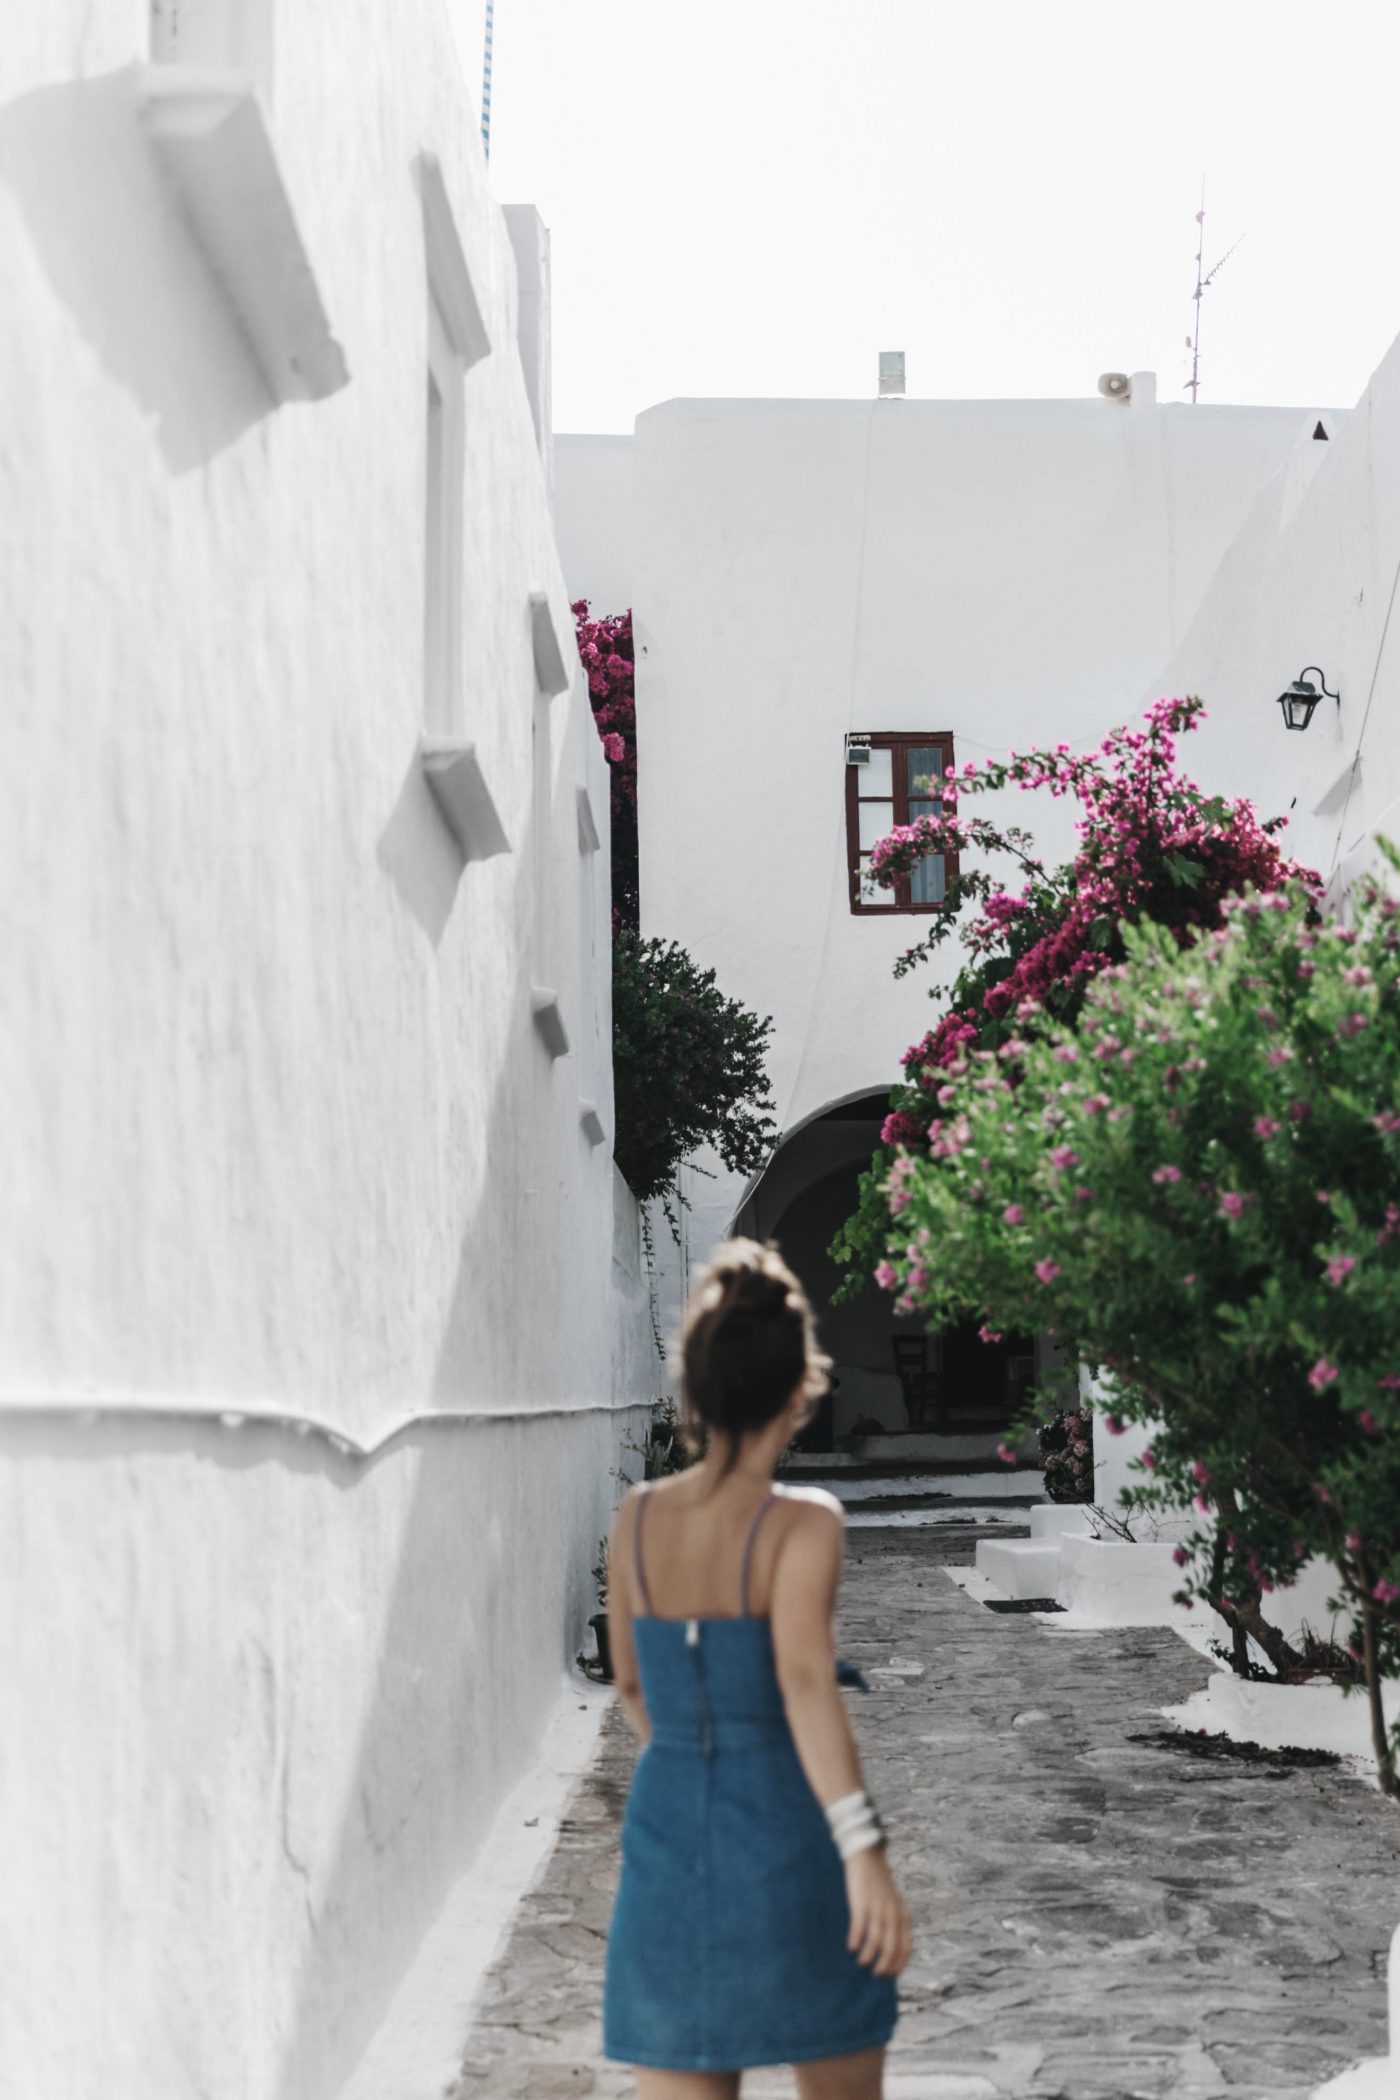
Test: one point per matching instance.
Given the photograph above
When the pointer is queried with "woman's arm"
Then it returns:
(802, 1612)
(626, 1678)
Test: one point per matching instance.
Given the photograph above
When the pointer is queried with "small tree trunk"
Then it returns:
(1381, 1741)
(1239, 1639)
(1243, 1615)
(1248, 1617)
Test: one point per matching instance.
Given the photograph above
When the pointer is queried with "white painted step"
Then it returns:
(1055, 1520)
(1020, 1567)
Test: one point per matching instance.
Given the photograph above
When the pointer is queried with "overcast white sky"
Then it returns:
(754, 197)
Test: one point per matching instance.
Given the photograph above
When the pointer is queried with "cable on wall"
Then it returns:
(91, 1410)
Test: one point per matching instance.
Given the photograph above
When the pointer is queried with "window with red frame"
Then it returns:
(897, 784)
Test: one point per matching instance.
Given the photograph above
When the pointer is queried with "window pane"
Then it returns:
(876, 778)
(925, 762)
(926, 884)
(876, 819)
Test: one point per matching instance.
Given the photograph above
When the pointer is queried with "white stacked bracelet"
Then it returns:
(855, 1824)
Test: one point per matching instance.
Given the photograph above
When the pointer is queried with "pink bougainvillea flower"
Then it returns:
(1095, 1104)
(1280, 1055)
(1113, 1425)
(1322, 1375)
(1162, 1175)
(1200, 1473)
(1066, 1054)
(1369, 1425)
(1046, 1271)
(1339, 1269)
(1202, 1503)
(988, 1334)
(885, 1276)
(1266, 1127)
(1324, 1195)
(1386, 1591)
(1352, 1024)
(1390, 1383)
(1231, 1205)
(1189, 1278)
(1064, 1156)
(1180, 1556)
(1013, 1215)
(1006, 1454)
(1387, 1122)
(614, 749)
(1148, 1458)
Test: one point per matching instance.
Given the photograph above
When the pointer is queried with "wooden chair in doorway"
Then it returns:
(918, 1377)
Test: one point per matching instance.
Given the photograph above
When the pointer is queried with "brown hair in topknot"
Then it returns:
(748, 1341)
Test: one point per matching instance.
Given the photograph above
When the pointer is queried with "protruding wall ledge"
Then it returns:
(548, 1018)
(452, 771)
(588, 839)
(447, 266)
(551, 668)
(208, 132)
(591, 1123)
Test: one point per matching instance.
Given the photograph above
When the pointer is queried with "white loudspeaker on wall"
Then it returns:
(1115, 386)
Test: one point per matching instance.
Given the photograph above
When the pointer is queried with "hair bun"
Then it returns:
(748, 1344)
(760, 1295)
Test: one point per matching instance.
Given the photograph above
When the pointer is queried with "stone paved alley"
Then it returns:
(1096, 1919)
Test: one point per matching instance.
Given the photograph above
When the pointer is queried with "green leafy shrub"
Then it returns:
(688, 1068)
(1198, 1191)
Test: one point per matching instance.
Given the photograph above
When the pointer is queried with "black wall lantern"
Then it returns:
(1299, 703)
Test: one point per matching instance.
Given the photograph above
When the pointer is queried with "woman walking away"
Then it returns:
(757, 1921)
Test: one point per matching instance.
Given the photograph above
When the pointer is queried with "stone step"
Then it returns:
(1020, 1567)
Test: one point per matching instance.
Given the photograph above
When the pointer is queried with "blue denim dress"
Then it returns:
(728, 1940)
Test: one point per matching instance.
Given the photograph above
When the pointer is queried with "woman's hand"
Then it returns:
(880, 1934)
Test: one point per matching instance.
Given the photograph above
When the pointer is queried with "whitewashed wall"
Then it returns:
(1009, 571)
(279, 1136)
(1311, 579)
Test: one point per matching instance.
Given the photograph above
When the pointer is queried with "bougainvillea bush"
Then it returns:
(1198, 1190)
(605, 648)
(688, 1069)
(1153, 847)
(1067, 1455)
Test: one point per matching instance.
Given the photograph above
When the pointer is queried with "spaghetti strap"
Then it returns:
(642, 1589)
(759, 1515)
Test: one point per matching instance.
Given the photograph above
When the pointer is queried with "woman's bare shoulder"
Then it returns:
(813, 1498)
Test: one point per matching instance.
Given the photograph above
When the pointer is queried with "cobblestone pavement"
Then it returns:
(1096, 1919)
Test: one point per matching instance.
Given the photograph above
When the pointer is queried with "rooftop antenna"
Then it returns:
(1204, 279)
(486, 79)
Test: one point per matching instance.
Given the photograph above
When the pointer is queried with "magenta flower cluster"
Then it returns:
(606, 651)
(1151, 845)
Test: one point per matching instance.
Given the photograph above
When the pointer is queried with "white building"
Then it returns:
(323, 1310)
(953, 579)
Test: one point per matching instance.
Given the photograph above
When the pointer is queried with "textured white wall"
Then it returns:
(278, 1131)
(594, 515)
(1311, 579)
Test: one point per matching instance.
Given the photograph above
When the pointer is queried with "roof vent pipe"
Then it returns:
(891, 375)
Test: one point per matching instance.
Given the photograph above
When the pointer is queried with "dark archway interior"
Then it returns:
(889, 1371)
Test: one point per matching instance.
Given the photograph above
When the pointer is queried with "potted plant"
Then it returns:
(599, 1620)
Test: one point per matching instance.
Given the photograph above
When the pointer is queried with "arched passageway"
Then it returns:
(889, 1371)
